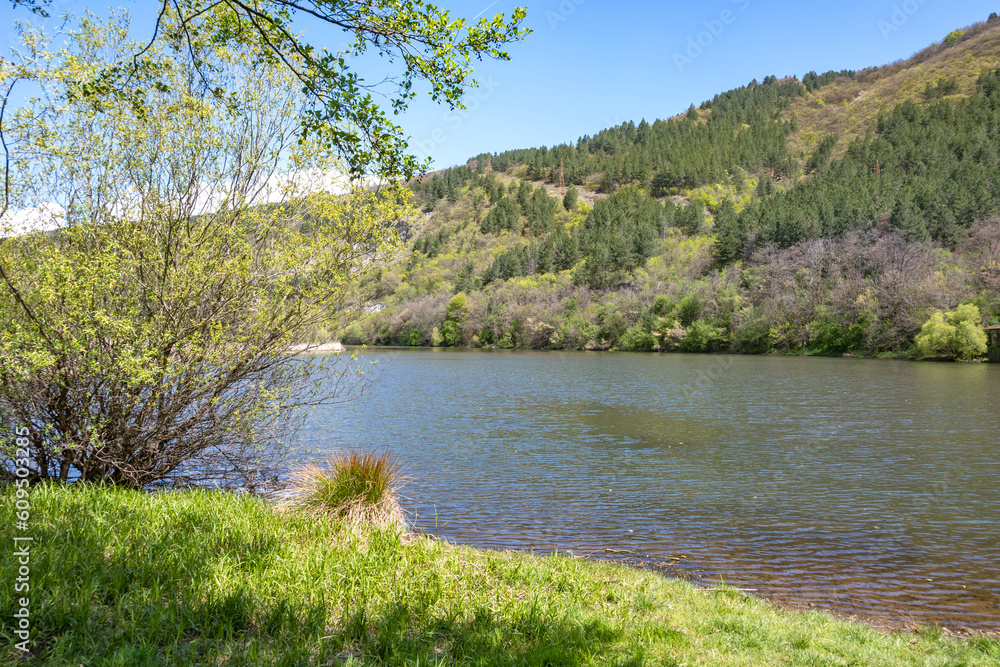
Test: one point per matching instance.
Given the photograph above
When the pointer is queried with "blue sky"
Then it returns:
(590, 64)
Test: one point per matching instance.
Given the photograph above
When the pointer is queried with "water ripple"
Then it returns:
(867, 487)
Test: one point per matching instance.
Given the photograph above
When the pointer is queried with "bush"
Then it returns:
(662, 306)
(702, 337)
(360, 489)
(569, 200)
(689, 309)
(958, 334)
(829, 336)
(456, 307)
(751, 336)
(414, 338)
(451, 333)
(638, 338)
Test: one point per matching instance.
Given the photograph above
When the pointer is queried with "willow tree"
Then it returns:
(155, 261)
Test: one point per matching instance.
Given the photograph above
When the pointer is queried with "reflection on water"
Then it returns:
(868, 487)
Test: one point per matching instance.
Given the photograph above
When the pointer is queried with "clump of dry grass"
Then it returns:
(358, 488)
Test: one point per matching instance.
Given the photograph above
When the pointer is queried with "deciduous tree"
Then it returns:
(157, 271)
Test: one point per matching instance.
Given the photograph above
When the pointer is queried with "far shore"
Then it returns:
(335, 347)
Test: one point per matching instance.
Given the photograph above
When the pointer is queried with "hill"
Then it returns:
(830, 215)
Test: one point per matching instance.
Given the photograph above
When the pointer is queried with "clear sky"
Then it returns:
(591, 64)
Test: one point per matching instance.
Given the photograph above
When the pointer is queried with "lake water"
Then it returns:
(862, 486)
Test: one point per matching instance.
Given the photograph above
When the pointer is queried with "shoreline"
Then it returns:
(876, 620)
(901, 356)
(336, 347)
(223, 577)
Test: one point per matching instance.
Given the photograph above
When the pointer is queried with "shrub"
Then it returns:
(702, 337)
(829, 336)
(569, 200)
(662, 306)
(638, 338)
(456, 307)
(414, 339)
(689, 309)
(750, 335)
(360, 489)
(451, 333)
(954, 335)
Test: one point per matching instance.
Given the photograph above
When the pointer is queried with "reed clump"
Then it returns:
(360, 489)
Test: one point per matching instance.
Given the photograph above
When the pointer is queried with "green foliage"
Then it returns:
(524, 192)
(953, 36)
(750, 335)
(520, 260)
(200, 578)
(619, 235)
(430, 46)
(929, 167)
(569, 199)
(675, 154)
(813, 81)
(359, 488)
(957, 334)
(691, 218)
(702, 336)
(730, 233)
(451, 333)
(158, 324)
(502, 218)
(689, 309)
(909, 220)
(466, 280)
(662, 306)
(456, 307)
(820, 158)
(451, 330)
(943, 87)
(830, 336)
(540, 212)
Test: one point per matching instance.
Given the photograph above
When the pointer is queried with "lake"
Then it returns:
(863, 486)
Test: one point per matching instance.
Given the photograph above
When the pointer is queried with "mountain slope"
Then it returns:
(829, 215)
(849, 107)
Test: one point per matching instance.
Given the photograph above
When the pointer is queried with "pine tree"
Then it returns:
(569, 200)
(908, 221)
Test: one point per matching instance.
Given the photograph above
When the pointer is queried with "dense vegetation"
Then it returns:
(733, 227)
(121, 577)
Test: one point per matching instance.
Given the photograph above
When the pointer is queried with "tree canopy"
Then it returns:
(422, 42)
(178, 212)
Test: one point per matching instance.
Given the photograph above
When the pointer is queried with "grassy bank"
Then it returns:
(125, 578)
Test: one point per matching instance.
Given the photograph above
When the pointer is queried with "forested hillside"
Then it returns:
(833, 214)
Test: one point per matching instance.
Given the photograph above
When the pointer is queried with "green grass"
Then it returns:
(359, 488)
(196, 578)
